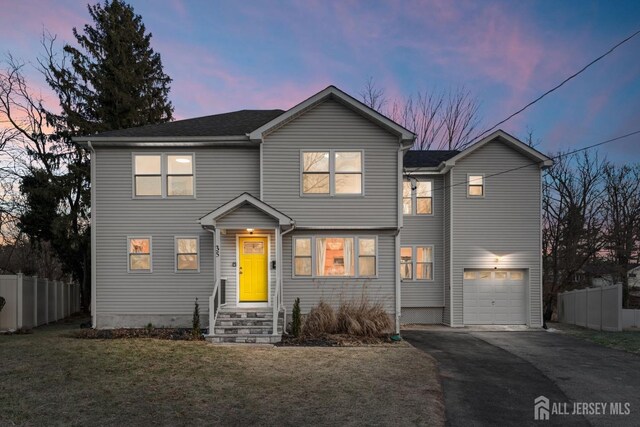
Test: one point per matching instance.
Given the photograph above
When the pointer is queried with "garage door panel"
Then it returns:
(494, 297)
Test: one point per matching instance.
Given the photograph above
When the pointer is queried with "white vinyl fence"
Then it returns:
(33, 301)
(597, 308)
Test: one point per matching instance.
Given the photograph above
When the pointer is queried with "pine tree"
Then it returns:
(116, 80)
(196, 331)
(296, 319)
(113, 79)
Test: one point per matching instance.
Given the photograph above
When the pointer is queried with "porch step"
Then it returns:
(244, 339)
(246, 325)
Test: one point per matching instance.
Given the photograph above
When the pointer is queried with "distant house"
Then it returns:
(251, 209)
(607, 274)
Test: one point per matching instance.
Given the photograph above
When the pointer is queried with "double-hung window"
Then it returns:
(148, 175)
(475, 185)
(417, 197)
(187, 250)
(332, 172)
(324, 256)
(163, 175)
(139, 254)
(416, 263)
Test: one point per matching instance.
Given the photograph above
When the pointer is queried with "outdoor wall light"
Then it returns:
(250, 230)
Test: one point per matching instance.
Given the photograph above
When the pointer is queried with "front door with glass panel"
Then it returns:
(253, 269)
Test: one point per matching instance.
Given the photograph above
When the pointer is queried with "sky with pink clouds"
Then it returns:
(230, 55)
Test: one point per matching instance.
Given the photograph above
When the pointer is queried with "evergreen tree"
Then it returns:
(112, 80)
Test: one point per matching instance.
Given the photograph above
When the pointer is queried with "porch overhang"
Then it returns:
(210, 219)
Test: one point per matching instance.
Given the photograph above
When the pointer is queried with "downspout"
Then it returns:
(398, 296)
(94, 315)
(279, 265)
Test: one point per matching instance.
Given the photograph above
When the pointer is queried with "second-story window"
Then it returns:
(148, 175)
(475, 186)
(179, 175)
(332, 172)
(417, 197)
(163, 175)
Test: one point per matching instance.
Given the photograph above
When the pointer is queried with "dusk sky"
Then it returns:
(230, 55)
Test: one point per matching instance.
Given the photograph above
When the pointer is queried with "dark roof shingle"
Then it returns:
(427, 158)
(237, 123)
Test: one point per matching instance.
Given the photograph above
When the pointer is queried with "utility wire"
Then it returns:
(559, 156)
(555, 87)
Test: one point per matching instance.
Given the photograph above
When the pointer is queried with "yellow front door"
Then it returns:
(253, 269)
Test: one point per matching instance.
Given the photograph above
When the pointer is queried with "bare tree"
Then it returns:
(460, 118)
(573, 219)
(440, 120)
(622, 213)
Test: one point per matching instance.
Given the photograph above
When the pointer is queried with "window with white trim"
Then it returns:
(139, 254)
(417, 197)
(416, 263)
(302, 256)
(333, 256)
(187, 254)
(475, 186)
(163, 175)
(148, 175)
(332, 172)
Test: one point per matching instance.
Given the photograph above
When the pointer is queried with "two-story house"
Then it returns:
(249, 210)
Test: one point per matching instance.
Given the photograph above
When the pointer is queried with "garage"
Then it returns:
(494, 297)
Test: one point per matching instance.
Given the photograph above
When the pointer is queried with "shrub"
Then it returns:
(2, 303)
(321, 320)
(296, 319)
(362, 318)
(195, 330)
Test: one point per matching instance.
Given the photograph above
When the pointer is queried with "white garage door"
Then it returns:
(494, 297)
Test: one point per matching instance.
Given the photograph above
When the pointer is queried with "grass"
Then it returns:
(624, 340)
(48, 378)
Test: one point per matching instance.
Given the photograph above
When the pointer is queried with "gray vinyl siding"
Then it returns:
(426, 230)
(246, 216)
(446, 314)
(334, 290)
(220, 175)
(505, 222)
(228, 256)
(330, 125)
(421, 315)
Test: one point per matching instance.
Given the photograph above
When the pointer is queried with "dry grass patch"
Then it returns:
(50, 379)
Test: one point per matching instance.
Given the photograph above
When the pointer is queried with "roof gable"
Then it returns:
(336, 94)
(209, 220)
(510, 141)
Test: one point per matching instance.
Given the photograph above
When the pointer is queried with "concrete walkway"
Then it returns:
(492, 378)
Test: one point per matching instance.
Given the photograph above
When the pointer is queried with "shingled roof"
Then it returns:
(427, 158)
(237, 123)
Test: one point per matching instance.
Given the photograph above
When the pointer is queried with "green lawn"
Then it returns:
(625, 340)
(49, 378)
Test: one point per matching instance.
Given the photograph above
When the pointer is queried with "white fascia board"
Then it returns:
(163, 141)
(209, 220)
(349, 101)
(518, 145)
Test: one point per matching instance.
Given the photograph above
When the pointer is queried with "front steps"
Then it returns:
(246, 325)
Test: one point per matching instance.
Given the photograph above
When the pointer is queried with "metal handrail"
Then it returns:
(214, 306)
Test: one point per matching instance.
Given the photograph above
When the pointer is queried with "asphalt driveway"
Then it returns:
(492, 378)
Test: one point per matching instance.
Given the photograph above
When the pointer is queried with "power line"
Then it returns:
(555, 87)
(559, 156)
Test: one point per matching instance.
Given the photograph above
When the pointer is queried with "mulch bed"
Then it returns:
(334, 340)
(176, 334)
